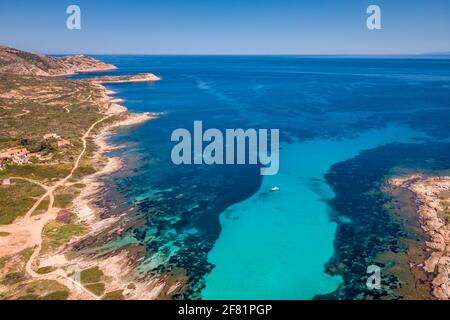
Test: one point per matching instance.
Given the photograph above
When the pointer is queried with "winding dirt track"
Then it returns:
(58, 275)
(24, 113)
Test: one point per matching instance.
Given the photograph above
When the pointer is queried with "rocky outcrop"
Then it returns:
(25, 63)
(433, 202)
(140, 77)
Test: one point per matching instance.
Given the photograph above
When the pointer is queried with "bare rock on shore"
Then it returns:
(433, 202)
(140, 77)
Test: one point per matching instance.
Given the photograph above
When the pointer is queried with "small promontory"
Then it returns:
(140, 77)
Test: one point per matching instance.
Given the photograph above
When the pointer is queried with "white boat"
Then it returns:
(273, 189)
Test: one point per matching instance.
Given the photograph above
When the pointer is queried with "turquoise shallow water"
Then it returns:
(219, 224)
(275, 244)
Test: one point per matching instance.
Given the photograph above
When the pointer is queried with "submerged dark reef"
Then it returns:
(368, 228)
(178, 217)
(176, 209)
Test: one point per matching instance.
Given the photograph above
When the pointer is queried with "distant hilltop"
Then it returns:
(25, 63)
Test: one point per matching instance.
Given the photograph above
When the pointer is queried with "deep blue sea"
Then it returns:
(234, 238)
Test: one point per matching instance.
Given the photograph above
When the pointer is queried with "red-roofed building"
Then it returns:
(17, 155)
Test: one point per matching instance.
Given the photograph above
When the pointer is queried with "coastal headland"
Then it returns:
(391, 209)
(67, 233)
(431, 197)
(53, 146)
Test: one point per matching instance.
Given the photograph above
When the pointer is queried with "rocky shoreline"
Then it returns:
(96, 218)
(431, 195)
(117, 265)
(378, 224)
(140, 77)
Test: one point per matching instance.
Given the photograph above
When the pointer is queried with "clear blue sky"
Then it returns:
(227, 26)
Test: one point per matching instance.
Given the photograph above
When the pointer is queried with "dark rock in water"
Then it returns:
(356, 184)
(178, 224)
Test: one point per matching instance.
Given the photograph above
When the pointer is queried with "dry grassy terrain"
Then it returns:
(51, 146)
(30, 107)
